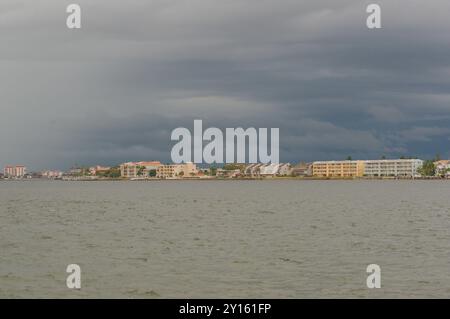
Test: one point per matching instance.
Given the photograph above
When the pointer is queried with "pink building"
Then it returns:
(15, 171)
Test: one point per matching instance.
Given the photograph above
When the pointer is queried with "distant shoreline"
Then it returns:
(227, 179)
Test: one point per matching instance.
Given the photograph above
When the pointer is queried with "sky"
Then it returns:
(114, 90)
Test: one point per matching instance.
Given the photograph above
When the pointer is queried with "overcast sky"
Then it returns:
(115, 89)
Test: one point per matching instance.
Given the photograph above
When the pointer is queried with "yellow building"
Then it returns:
(338, 169)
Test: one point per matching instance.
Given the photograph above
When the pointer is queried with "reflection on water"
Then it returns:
(230, 239)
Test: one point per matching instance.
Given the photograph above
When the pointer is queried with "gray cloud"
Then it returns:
(115, 89)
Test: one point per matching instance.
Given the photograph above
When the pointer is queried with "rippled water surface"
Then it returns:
(272, 239)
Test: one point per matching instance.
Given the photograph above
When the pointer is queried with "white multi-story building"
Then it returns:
(393, 167)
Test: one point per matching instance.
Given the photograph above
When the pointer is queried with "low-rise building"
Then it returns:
(340, 169)
(252, 170)
(226, 173)
(302, 169)
(138, 169)
(268, 170)
(94, 170)
(392, 168)
(285, 169)
(176, 170)
(52, 174)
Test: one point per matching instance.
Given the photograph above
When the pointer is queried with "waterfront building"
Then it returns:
(176, 170)
(268, 170)
(302, 169)
(443, 168)
(17, 171)
(52, 174)
(138, 169)
(226, 173)
(252, 170)
(285, 169)
(392, 168)
(9, 171)
(98, 169)
(340, 169)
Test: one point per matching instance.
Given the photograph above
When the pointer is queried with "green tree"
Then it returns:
(140, 170)
(114, 173)
(233, 166)
(428, 168)
(349, 158)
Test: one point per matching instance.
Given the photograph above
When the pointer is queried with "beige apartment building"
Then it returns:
(338, 169)
(138, 169)
(176, 170)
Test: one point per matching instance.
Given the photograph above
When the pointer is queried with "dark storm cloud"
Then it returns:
(114, 90)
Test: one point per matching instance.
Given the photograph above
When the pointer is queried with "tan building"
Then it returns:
(177, 170)
(138, 169)
(338, 169)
